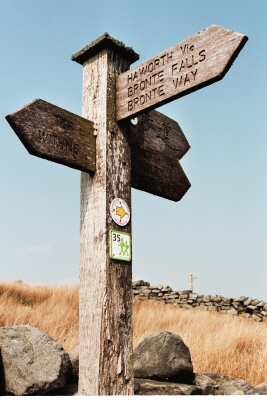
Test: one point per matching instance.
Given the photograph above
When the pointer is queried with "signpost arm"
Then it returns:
(105, 353)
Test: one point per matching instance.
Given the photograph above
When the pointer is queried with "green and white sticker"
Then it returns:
(120, 246)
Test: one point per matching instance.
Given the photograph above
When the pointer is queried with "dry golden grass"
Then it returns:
(54, 310)
(229, 345)
(232, 346)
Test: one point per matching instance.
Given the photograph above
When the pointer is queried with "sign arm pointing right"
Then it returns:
(190, 65)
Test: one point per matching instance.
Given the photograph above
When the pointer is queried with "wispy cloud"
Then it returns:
(34, 249)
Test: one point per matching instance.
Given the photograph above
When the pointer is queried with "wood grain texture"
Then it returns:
(190, 65)
(157, 144)
(105, 285)
(156, 131)
(55, 134)
(158, 174)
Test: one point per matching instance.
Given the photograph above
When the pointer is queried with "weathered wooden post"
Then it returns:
(105, 285)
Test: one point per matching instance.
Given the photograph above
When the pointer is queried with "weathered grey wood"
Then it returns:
(105, 285)
(190, 65)
(157, 144)
(52, 133)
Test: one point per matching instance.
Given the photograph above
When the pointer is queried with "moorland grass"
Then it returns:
(226, 344)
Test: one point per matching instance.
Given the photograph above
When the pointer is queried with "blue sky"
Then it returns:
(218, 231)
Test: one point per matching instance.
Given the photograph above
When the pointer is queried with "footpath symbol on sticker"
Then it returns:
(120, 212)
(120, 246)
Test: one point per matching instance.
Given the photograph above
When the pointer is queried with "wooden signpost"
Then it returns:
(114, 156)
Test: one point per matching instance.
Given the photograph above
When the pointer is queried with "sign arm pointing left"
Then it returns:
(55, 134)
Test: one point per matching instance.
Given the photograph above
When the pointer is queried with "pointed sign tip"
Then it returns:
(11, 120)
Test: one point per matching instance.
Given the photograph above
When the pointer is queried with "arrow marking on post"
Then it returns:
(190, 65)
(120, 211)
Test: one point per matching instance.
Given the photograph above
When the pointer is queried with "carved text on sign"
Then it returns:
(154, 130)
(190, 65)
(152, 84)
(58, 142)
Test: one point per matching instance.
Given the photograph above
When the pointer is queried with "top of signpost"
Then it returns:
(103, 42)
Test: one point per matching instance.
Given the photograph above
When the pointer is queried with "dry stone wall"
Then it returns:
(242, 306)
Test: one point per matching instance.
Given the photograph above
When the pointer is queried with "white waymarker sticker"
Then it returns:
(120, 246)
(120, 212)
